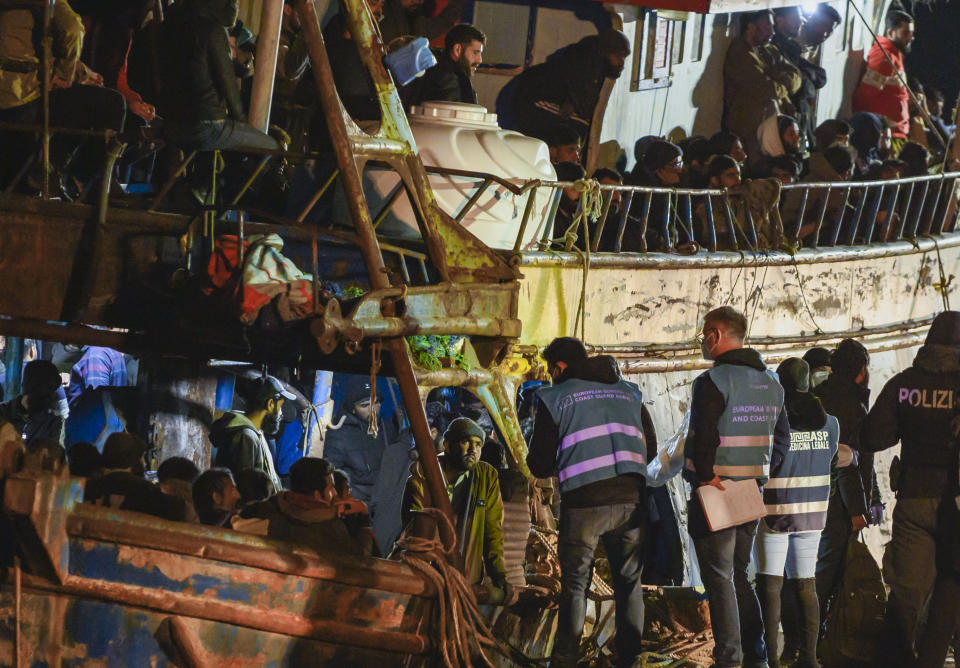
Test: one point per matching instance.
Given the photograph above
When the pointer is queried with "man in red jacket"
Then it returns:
(882, 89)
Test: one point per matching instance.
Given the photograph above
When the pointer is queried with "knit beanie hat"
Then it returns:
(40, 377)
(659, 154)
(613, 41)
(462, 428)
(817, 357)
(794, 375)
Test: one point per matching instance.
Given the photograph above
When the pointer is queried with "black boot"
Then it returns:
(768, 589)
(809, 622)
(790, 621)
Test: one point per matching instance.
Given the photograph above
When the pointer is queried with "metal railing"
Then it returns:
(824, 214)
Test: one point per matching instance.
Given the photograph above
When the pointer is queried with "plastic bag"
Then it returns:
(669, 459)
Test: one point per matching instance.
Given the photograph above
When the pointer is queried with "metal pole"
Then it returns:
(367, 239)
(13, 359)
(268, 46)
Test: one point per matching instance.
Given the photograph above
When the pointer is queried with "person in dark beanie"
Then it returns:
(796, 499)
(474, 490)
(845, 395)
(662, 167)
(351, 446)
(37, 413)
(591, 431)
(916, 408)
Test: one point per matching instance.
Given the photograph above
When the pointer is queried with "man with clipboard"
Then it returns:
(736, 414)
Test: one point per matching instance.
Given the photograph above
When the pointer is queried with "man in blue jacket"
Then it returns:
(736, 414)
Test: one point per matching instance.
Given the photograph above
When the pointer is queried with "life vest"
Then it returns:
(798, 491)
(753, 400)
(601, 435)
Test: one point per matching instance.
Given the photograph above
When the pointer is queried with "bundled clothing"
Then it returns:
(591, 431)
(240, 445)
(353, 449)
(835, 200)
(917, 407)
(757, 82)
(424, 22)
(881, 91)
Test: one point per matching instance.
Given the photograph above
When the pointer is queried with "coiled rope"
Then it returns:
(463, 632)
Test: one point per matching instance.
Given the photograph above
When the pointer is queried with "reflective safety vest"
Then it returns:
(798, 491)
(753, 400)
(601, 434)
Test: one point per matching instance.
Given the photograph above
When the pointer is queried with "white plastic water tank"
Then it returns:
(466, 137)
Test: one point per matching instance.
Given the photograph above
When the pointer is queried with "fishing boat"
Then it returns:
(98, 585)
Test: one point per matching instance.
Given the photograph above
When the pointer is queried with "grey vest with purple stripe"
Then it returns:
(601, 433)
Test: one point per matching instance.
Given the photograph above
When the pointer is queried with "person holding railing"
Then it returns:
(662, 167)
(822, 205)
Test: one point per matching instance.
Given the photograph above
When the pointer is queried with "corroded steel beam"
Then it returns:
(117, 526)
(236, 614)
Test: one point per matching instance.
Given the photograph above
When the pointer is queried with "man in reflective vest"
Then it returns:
(736, 414)
(590, 432)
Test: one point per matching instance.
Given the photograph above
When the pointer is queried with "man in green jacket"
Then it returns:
(239, 437)
(474, 490)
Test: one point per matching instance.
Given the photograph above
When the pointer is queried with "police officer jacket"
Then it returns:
(735, 416)
(916, 407)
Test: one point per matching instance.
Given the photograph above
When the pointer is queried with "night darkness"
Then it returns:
(936, 47)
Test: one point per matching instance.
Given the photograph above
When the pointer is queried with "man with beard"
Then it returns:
(474, 490)
(239, 437)
(36, 413)
(883, 89)
(565, 89)
(450, 79)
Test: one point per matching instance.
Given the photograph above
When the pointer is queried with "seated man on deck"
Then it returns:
(451, 79)
(36, 413)
(474, 490)
(215, 497)
(310, 514)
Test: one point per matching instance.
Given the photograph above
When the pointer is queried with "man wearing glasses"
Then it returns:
(736, 415)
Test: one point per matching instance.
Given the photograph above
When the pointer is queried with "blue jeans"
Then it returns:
(620, 527)
(793, 553)
(734, 609)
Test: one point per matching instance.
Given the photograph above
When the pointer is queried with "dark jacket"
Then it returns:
(128, 491)
(542, 454)
(240, 445)
(706, 407)
(352, 449)
(917, 407)
(421, 23)
(45, 424)
(446, 81)
(564, 90)
(845, 400)
(199, 79)
(812, 78)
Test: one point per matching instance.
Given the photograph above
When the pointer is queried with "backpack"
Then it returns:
(855, 619)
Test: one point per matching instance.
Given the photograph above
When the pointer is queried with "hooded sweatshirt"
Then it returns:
(240, 445)
(544, 444)
(917, 408)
